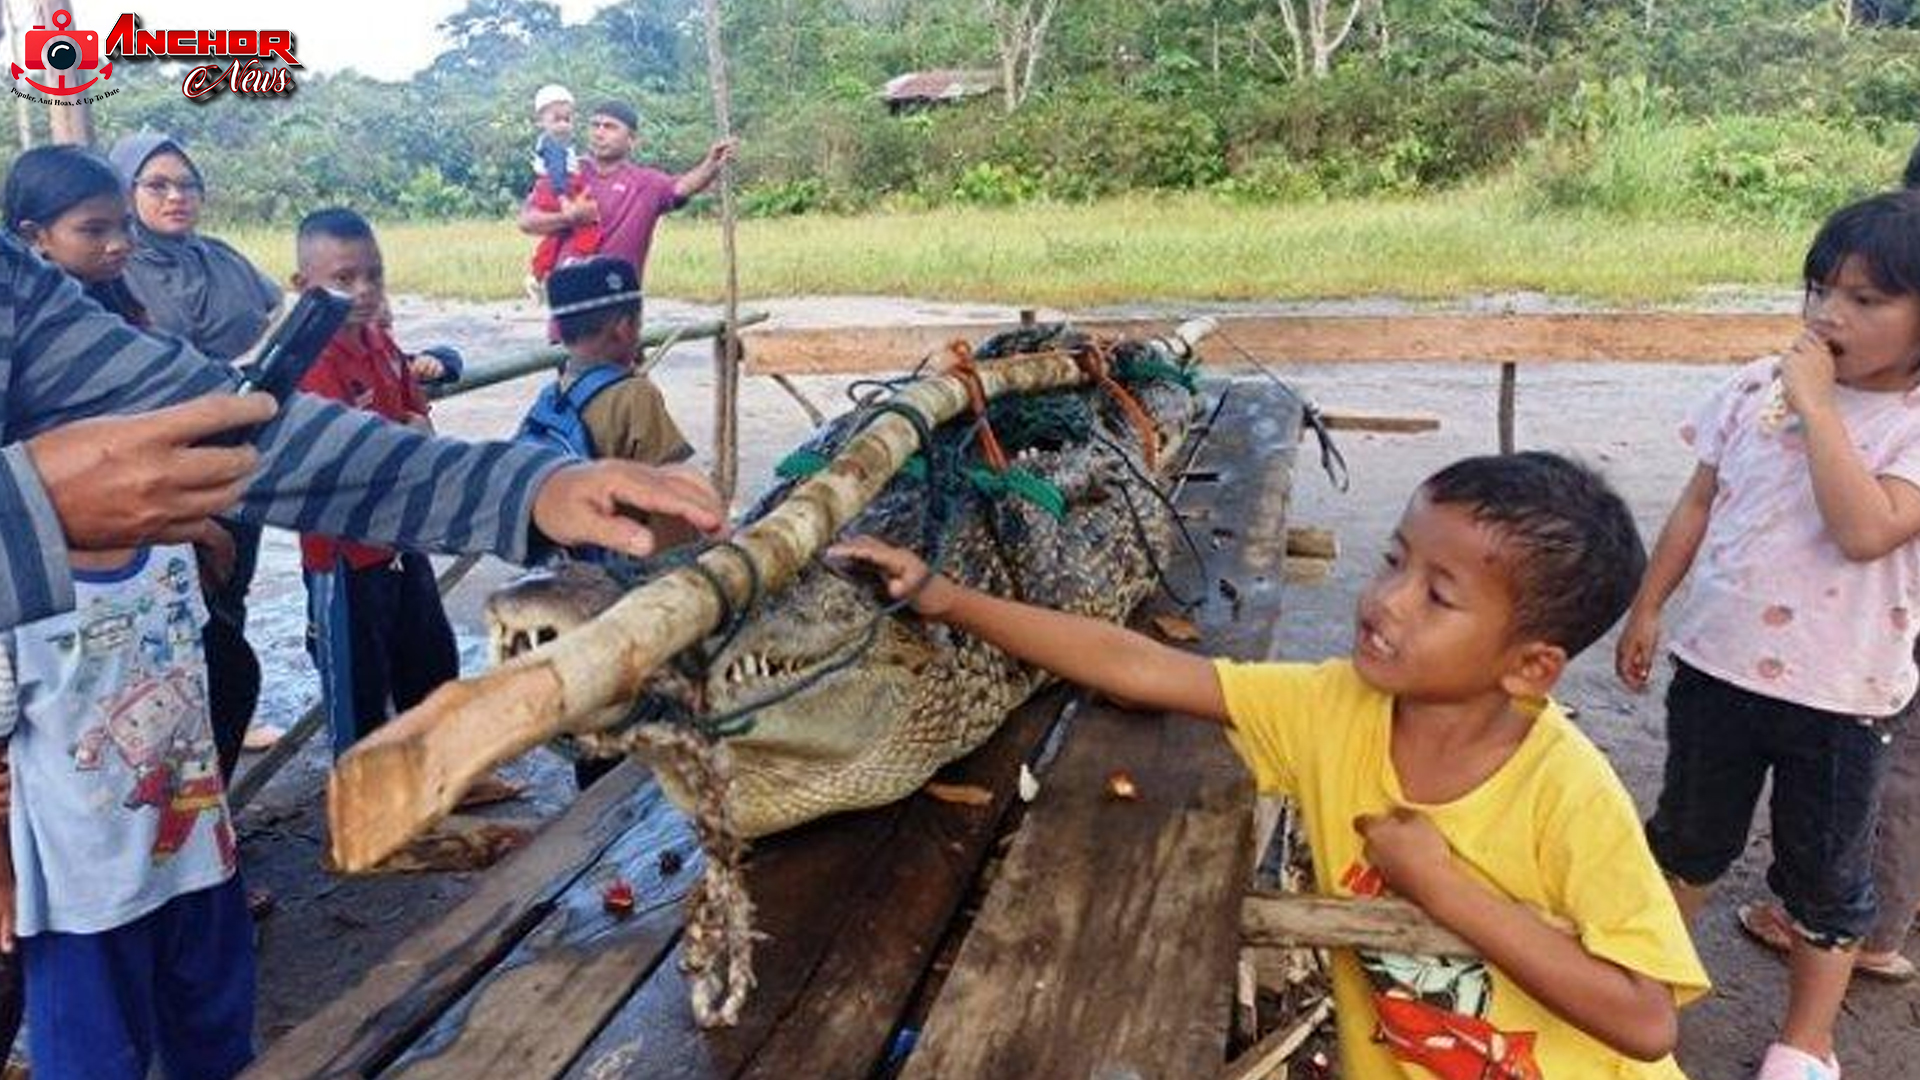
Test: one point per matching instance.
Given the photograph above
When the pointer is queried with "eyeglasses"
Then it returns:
(160, 187)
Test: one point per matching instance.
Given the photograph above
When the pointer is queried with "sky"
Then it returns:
(379, 38)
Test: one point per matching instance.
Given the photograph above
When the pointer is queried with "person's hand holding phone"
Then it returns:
(121, 481)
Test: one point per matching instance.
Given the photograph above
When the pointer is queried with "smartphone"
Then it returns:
(290, 350)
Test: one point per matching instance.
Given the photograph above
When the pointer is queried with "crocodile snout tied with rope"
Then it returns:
(766, 688)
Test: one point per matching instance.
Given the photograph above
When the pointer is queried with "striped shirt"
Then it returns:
(324, 468)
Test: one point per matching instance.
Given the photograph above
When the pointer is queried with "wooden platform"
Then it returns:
(1104, 944)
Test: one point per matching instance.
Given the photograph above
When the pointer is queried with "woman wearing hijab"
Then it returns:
(200, 289)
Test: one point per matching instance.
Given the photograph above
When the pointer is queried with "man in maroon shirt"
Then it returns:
(628, 198)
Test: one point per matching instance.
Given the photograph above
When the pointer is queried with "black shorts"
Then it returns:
(1827, 772)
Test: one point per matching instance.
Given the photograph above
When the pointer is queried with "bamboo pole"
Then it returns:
(726, 350)
(412, 771)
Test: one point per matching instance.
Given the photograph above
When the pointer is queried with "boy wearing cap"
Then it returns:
(600, 407)
(560, 184)
(620, 412)
(628, 198)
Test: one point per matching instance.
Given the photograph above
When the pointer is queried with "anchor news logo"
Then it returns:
(64, 53)
(65, 56)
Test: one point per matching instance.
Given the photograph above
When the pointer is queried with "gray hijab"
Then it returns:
(193, 286)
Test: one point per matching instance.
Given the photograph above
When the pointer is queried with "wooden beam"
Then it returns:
(1634, 337)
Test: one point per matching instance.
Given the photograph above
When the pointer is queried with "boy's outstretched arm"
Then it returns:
(1099, 655)
(1630, 1012)
(1668, 565)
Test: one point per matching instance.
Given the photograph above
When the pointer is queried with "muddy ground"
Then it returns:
(327, 930)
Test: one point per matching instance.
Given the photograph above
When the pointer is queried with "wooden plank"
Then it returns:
(540, 1004)
(371, 1024)
(1640, 337)
(853, 907)
(1108, 944)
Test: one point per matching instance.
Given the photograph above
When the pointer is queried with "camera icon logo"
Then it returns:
(62, 52)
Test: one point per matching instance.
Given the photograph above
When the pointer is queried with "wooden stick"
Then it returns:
(411, 772)
(1509, 383)
(814, 412)
(1323, 922)
(1390, 425)
(1291, 920)
(726, 351)
(1270, 1053)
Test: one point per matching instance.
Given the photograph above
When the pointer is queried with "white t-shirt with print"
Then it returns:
(1774, 606)
(118, 804)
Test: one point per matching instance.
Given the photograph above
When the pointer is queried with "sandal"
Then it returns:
(1892, 968)
(1766, 924)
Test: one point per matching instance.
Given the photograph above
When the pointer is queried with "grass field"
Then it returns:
(1138, 249)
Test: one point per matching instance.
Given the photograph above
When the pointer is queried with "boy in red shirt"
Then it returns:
(376, 628)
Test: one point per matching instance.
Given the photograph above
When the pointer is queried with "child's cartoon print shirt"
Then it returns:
(118, 805)
(1773, 606)
(1552, 829)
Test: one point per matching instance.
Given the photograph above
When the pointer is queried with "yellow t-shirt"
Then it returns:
(1552, 829)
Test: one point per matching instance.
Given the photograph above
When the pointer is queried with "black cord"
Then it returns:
(1332, 461)
(1140, 529)
(738, 720)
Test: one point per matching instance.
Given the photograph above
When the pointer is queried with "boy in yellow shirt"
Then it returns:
(1430, 764)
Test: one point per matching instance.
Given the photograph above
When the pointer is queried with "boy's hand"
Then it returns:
(580, 211)
(1408, 850)
(426, 367)
(722, 151)
(1633, 656)
(213, 550)
(1806, 374)
(589, 503)
(903, 572)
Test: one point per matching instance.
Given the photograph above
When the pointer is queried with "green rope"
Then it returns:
(1137, 368)
(1021, 484)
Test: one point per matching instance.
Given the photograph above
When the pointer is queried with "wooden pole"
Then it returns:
(1509, 382)
(70, 124)
(726, 349)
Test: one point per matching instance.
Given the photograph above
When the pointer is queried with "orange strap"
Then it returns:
(1095, 364)
(963, 369)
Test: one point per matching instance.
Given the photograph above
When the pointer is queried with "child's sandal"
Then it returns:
(1765, 924)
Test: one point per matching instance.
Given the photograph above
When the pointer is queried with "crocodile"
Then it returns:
(851, 706)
